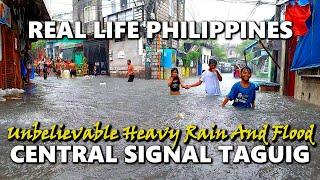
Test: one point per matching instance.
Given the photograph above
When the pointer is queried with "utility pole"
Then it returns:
(275, 53)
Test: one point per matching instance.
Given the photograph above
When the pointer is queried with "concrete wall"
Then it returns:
(78, 13)
(307, 87)
(205, 56)
(121, 51)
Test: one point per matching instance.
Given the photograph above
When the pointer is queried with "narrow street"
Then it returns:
(146, 103)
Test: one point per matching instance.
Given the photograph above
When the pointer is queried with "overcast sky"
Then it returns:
(200, 10)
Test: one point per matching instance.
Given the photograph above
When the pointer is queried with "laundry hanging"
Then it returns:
(307, 53)
(298, 15)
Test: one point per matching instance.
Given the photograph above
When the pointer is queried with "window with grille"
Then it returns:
(89, 13)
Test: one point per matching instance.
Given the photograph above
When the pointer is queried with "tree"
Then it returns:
(249, 56)
(192, 56)
(41, 44)
(38, 47)
(219, 51)
(242, 46)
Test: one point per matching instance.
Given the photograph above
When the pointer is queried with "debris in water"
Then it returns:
(180, 116)
(103, 84)
(12, 94)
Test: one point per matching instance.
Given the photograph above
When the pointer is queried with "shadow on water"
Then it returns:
(82, 102)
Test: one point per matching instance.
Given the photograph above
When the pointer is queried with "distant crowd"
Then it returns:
(46, 66)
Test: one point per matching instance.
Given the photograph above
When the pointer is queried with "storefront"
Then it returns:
(14, 17)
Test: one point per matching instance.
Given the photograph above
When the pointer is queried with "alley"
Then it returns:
(83, 101)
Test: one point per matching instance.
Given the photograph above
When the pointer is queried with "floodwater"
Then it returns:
(82, 102)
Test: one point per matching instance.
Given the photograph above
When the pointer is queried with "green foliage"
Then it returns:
(181, 47)
(240, 48)
(41, 44)
(249, 56)
(190, 57)
(38, 46)
(219, 51)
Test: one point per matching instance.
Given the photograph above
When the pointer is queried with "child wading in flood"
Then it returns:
(243, 93)
(211, 78)
(175, 82)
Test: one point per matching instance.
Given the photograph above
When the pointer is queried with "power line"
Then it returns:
(197, 12)
(192, 15)
(103, 7)
(248, 2)
(253, 10)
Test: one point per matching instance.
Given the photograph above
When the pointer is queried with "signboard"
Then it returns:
(5, 14)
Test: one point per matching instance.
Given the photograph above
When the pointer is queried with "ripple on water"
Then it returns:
(82, 102)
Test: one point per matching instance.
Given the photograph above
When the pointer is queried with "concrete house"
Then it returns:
(145, 55)
(95, 51)
(14, 17)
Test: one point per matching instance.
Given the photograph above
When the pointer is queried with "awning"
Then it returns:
(307, 54)
(34, 10)
(250, 46)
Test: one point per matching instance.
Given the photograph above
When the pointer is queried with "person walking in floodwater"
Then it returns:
(211, 78)
(28, 61)
(175, 82)
(45, 71)
(243, 93)
(58, 68)
(73, 69)
(130, 72)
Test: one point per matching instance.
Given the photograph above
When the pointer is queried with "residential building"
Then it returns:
(203, 63)
(14, 37)
(95, 51)
(300, 75)
(145, 55)
(87, 12)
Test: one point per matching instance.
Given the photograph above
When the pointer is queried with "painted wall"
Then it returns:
(121, 51)
(205, 56)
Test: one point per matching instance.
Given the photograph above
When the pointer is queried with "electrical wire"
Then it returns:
(253, 10)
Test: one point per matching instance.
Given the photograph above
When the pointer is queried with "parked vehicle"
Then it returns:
(225, 67)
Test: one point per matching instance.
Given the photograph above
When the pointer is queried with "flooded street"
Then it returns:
(147, 104)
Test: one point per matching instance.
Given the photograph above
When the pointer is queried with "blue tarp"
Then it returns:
(307, 53)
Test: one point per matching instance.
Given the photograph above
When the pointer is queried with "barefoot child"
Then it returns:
(243, 93)
(175, 82)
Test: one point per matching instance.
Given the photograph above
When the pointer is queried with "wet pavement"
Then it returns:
(146, 103)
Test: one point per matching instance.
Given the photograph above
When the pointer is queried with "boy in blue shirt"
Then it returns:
(243, 93)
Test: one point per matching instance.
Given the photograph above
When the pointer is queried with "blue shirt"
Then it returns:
(242, 97)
